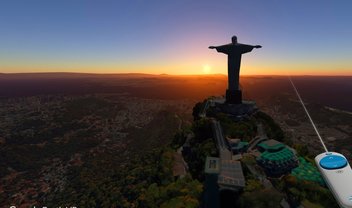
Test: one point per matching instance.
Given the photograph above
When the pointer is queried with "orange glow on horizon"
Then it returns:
(191, 66)
(183, 70)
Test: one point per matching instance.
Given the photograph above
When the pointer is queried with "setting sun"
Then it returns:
(206, 69)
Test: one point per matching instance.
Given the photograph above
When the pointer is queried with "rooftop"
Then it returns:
(279, 157)
(271, 145)
(278, 162)
(231, 174)
(307, 171)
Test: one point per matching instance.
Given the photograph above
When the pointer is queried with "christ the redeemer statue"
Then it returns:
(234, 51)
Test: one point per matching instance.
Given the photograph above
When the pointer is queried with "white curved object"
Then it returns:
(337, 174)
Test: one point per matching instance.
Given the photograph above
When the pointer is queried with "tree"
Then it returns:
(196, 110)
(253, 185)
(261, 199)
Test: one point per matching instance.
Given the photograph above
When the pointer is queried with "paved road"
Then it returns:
(221, 143)
(231, 175)
(218, 134)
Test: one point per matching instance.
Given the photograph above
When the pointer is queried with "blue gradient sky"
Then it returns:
(301, 37)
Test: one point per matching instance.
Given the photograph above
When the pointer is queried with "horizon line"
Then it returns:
(165, 74)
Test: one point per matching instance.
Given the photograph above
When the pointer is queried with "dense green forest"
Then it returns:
(145, 182)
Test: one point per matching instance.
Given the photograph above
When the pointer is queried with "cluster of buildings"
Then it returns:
(274, 157)
(225, 172)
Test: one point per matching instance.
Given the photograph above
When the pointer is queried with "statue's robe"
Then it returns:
(234, 52)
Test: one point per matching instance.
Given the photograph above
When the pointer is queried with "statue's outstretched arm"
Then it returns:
(247, 48)
(222, 48)
(217, 47)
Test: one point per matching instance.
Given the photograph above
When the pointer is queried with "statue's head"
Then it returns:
(234, 39)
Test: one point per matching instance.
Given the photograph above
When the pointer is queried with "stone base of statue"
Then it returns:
(237, 111)
(233, 96)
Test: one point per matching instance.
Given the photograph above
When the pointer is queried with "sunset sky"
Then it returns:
(298, 37)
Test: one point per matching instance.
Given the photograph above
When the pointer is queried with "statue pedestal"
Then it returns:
(233, 96)
(236, 111)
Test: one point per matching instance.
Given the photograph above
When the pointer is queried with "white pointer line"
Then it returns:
(305, 109)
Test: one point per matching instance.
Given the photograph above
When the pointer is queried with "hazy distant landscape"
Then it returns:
(328, 91)
(52, 125)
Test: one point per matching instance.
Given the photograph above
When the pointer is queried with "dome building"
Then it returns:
(276, 158)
